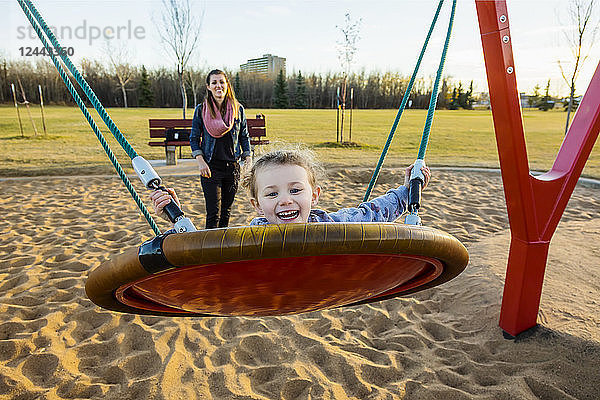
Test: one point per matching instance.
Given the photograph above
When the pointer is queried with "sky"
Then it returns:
(306, 33)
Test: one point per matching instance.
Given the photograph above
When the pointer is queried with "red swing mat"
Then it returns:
(279, 269)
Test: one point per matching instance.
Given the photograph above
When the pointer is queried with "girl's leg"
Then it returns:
(228, 190)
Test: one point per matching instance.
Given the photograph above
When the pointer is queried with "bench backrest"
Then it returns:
(158, 127)
(257, 127)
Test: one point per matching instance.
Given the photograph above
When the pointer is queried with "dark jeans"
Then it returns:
(219, 192)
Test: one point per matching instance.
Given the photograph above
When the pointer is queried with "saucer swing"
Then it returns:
(270, 269)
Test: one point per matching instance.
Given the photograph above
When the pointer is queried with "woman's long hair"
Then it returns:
(229, 96)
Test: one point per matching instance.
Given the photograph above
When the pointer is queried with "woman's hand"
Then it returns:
(160, 199)
(426, 175)
(247, 164)
(203, 167)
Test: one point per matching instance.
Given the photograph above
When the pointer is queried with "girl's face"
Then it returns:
(284, 194)
(217, 85)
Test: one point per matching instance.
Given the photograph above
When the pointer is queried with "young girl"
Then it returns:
(283, 189)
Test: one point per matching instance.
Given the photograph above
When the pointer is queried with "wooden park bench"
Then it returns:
(176, 133)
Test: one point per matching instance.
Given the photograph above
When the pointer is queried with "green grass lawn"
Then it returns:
(458, 138)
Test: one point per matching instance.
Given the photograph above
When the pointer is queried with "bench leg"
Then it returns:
(171, 155)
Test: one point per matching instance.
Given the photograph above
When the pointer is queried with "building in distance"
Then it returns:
(268, 64)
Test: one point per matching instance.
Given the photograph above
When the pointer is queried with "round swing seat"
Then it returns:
(275, 269)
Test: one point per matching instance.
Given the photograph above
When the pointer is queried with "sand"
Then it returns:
(442, 343)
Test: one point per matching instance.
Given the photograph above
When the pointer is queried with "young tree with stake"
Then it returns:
(347, 48)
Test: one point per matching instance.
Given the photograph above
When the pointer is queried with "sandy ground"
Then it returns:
(442, 343)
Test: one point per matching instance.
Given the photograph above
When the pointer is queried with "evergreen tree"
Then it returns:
(547, 103)
(462, 96)
(468, 99)
(280, 96)
(444, 96)
(300, 100)
(454, 100)
(145, 93)
(535, 97)
(237, 88)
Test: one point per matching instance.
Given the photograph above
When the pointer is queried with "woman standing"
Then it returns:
(218, 140)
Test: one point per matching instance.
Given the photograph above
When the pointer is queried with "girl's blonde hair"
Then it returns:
(230, 96)
(297, 156)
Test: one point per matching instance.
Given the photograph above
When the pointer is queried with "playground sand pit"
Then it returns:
(442, 343)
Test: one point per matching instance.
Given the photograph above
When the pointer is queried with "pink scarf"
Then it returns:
(217, 126)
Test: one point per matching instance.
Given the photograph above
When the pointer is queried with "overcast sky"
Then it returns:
(304, 32)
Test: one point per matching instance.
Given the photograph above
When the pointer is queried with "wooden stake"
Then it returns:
(12, 86)
(42, 108)
(351, 107)
(35, 132)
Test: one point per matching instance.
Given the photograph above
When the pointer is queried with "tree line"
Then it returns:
(160, 87)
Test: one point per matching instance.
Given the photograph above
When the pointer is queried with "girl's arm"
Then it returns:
(386, 208)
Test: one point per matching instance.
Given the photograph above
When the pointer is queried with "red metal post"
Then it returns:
(534, 204)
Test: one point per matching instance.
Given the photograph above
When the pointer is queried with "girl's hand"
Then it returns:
(426, 175)
(203, 167)
(160, 199)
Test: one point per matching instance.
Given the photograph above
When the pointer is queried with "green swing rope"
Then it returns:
(29, 9)
(425, 136)
(78, 77)
(434, 92)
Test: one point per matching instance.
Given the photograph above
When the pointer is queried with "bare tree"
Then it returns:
(347, 48)
(195, 81)
(581, 17)
(120, 65)
(179, 30)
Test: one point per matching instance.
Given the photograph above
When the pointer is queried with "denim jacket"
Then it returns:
(202, 143)
(386, 208)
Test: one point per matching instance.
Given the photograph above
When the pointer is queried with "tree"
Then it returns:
(195, 80)
(468, 99)
(145, 93)
(535, 97)
(347, 48)
(280, 96)
(574, 105)
(444, 97)
(300, 100)
(581, 14)
(4, 80)
(453, 105)
(120, 66)
(546, 103)
(179, 29)
(238, 88)
(458, 97)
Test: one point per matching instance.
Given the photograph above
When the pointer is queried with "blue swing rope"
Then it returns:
(431, 110)
(29, 9)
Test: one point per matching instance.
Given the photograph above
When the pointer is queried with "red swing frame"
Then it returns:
(535, 204)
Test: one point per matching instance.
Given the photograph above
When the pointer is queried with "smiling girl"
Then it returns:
(283, 189)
